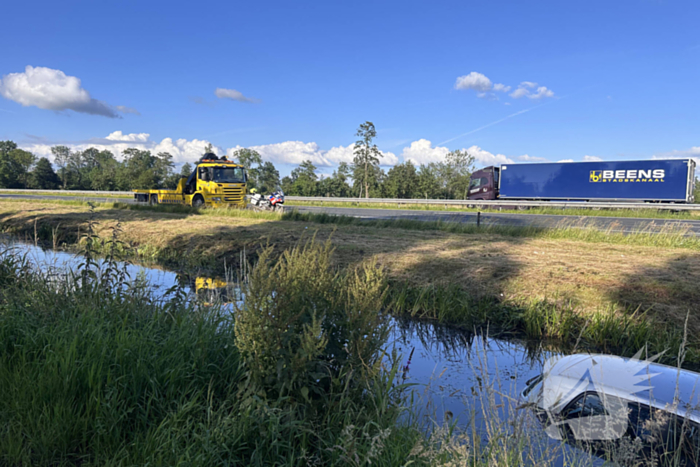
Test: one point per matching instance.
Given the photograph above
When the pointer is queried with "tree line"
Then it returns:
(448, 179)
(100, 170)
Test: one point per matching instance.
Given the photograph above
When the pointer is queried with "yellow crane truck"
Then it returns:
(215, 182)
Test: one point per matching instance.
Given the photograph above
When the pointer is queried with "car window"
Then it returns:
(484, 181)
(475, 183)
(586, 405)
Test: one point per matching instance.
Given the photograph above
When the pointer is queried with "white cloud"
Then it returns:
(296, 152)
(127, 110)
(232, 94)
(182, 150)
(591, 159)
(518, 93)
(423, 152)
(131, 137)
(526, 158)
(475, 81)
(566, 160)
(486, 158)
(542, 91)
(51, 89)
(524, 90)
(498, 87)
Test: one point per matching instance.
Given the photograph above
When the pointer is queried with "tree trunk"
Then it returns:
(366, 182)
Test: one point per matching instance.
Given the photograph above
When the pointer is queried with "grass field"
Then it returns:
(648, 213)
(440, 271)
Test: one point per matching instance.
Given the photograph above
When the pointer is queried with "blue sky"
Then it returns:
(620, 78)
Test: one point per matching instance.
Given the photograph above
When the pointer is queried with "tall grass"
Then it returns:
(95, 371)
(606, 330)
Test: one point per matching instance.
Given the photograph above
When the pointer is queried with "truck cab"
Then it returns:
(484, 184)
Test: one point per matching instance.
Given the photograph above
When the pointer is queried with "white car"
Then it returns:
(604, 397)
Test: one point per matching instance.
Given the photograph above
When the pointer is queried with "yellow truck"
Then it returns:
(214, 182)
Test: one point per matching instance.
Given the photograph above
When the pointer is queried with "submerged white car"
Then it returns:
(602, 397)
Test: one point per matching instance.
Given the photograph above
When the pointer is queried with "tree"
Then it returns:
(456, 171)
(401, 181)
(14, 165)
(7, 146)
(251, 160)
(369, 182)
(43, 176)
(141, 169)
(336, 185)
(302, 181)
(429, 186)
(61, 156)
(10, 170)
(101, 169)
(24, 160)
(366, 154)
(186, 170)
(268, 177)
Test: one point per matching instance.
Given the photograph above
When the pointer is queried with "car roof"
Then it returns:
(660, 386)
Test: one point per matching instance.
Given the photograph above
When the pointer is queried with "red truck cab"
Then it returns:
(484, 184)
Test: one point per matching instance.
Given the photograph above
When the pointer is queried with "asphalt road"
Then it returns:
(614, 224)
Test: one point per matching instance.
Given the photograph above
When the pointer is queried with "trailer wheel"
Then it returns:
(198, 201)
(154, 200)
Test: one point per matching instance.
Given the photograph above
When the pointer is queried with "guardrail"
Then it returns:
(70, 192)
(447, 203)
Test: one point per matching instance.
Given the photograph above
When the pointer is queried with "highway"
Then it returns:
(615, 224)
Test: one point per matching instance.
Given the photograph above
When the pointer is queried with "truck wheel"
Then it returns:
(154, 200)
(198, 201)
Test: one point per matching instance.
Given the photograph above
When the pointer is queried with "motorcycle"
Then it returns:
(273, 202)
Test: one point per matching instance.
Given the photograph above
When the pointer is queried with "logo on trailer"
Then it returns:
(626, 176)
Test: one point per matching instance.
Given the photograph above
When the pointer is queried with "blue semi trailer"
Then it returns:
(669, 181)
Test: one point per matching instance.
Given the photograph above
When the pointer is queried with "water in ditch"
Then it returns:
(456, 378)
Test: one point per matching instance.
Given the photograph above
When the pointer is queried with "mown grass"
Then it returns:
(668, 238)
(645, 213)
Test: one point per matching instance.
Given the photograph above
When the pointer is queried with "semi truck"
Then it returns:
(214, 182)
(665, 181)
